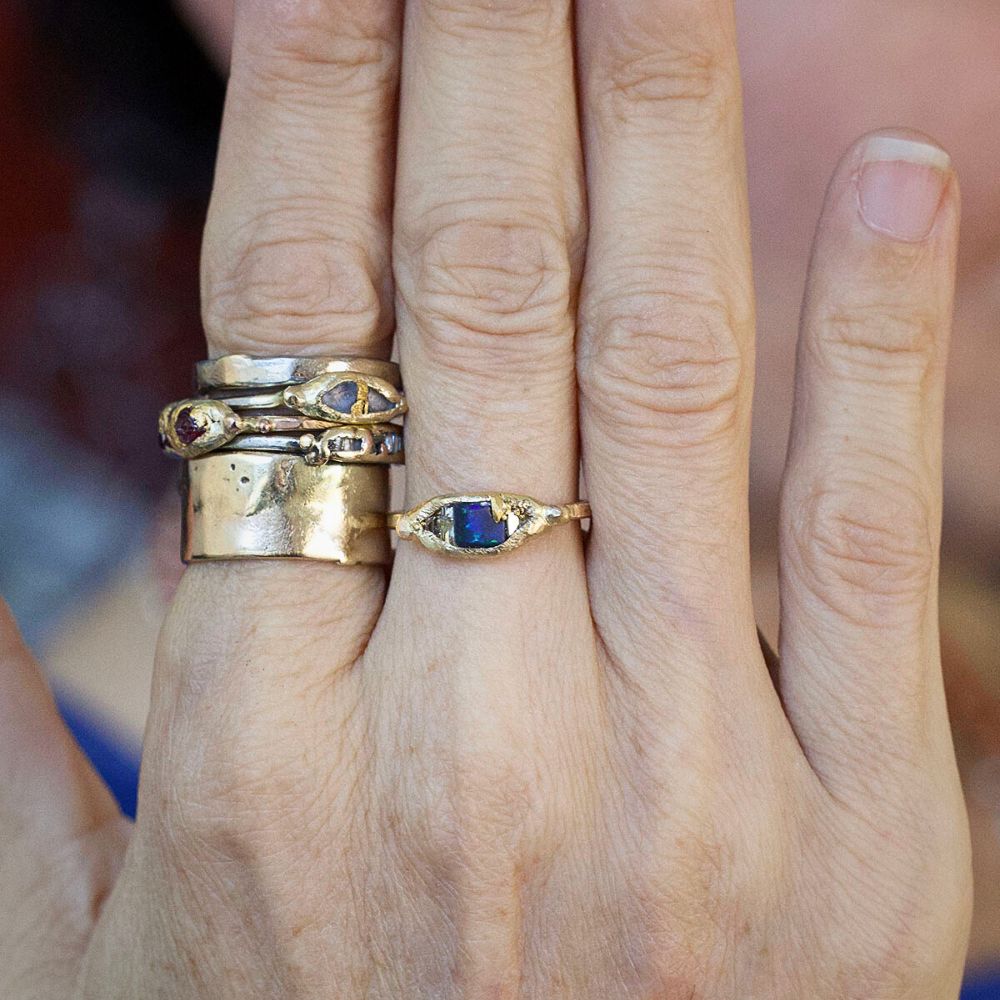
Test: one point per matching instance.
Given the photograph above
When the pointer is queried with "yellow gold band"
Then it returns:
(254, 505)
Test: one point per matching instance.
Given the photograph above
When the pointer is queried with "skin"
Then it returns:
(816, 75)
(568, 773)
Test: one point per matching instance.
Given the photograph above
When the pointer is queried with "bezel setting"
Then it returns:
(433, 522)
(348, 444)
(313, 398)
(216, 425)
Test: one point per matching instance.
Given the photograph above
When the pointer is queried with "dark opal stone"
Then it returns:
(377, 403)
(188, 429)
(474, 526)
(342, 396)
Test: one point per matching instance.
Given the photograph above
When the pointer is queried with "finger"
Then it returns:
(296, 254)
(861, 503)
(295, 258)
(488, 231)
(488, 239)
(61, 834)
(666, 333)
(252, 670)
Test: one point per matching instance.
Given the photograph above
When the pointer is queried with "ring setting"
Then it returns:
(349, 411)
(288, 458)
(473, 525)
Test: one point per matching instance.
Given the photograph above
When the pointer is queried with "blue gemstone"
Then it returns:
(475, 527)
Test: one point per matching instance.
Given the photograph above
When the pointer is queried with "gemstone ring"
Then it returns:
(287, 457)
(471, 526)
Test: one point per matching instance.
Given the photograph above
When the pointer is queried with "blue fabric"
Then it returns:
(982, 988)
(120, 769)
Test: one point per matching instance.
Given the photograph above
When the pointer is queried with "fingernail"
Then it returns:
(901, 185)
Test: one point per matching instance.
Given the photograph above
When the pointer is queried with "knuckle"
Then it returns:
(280, 286)
(482, 810)
(241, 796)
(216, 805)
(478, 289)
(683, 81)
(864, 541)
(462, 18)
(307, 42)
(921, 910)
(878, 343)
(656, 364)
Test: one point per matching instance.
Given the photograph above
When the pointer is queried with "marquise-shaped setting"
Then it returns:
(347, 398)
(471, 526)
(194, 427)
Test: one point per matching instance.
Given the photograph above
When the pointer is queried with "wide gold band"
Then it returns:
(252, 505)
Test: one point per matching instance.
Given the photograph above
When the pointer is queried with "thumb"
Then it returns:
(61, 834)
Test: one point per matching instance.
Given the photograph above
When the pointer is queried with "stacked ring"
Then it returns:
(332, 396)
(287, 457)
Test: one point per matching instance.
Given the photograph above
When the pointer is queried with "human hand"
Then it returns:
(566, 773)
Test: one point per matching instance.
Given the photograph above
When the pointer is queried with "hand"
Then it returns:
(566, 773)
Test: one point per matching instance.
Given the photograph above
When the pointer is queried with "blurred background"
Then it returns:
(109, 115)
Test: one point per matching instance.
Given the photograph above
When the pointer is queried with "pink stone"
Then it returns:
(187, 429)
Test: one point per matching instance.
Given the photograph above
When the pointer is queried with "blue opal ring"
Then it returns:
(474, 525)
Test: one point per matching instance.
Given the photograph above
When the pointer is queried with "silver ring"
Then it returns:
(378, 445)
(243, 371)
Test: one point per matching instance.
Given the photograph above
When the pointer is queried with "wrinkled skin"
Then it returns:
(567, 773)
(816, 75)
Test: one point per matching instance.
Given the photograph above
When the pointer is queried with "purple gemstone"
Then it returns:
(344, 395)
(377, 403)
(187, 429)
(341, 397)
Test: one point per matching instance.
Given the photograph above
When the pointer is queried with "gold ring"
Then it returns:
(287, 458)
(191, 428)
(250, 505)
(323, 403)
(473, 526)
